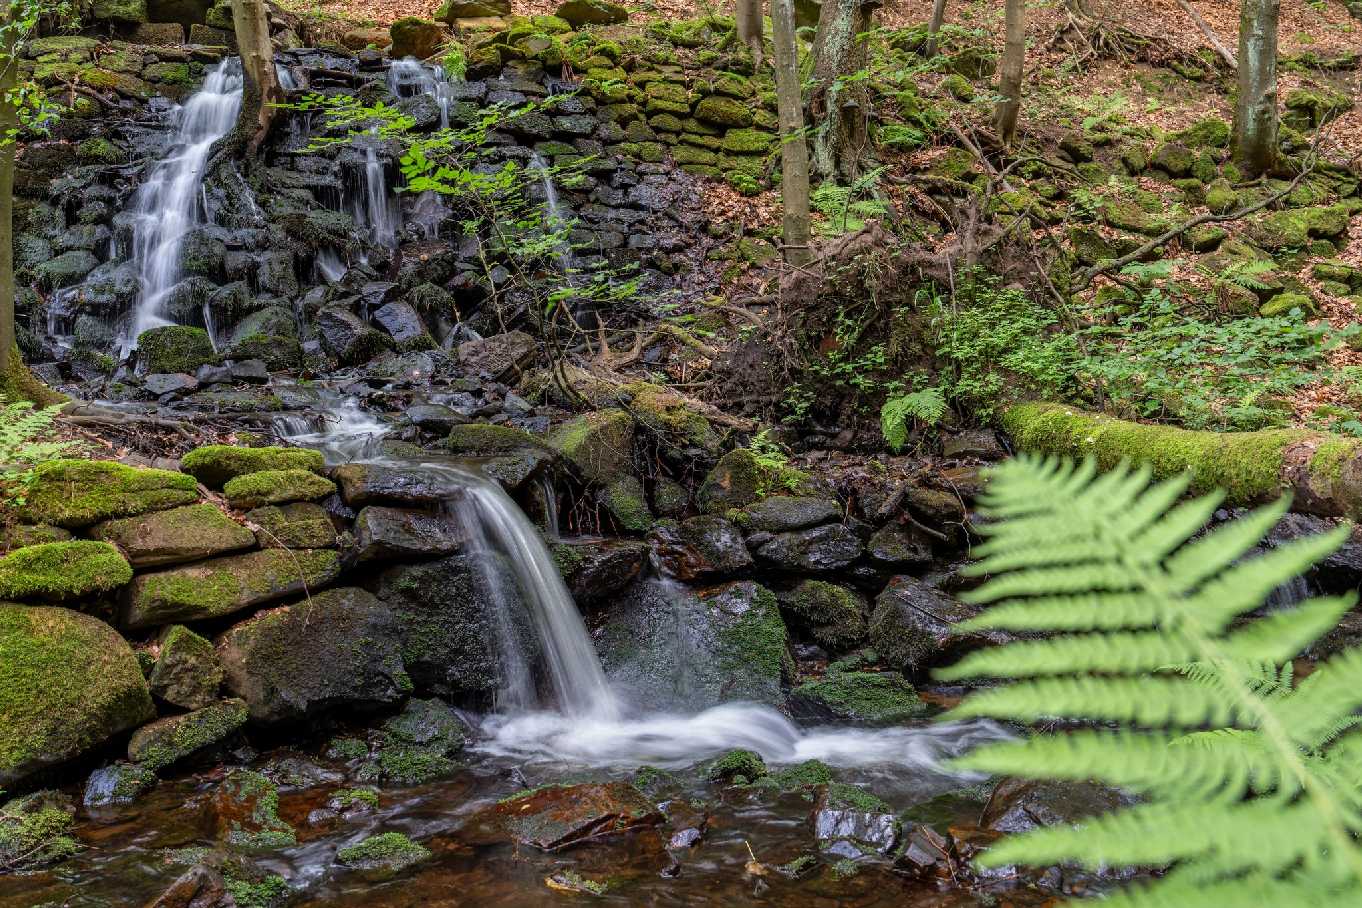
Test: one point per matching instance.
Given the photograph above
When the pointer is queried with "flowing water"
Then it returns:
(554, 218)
(374, 208)
(170, 203)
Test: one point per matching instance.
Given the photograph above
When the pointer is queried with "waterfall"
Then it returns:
(553, 212)
(410, 77)
(373, 209)
(329, 265)
(170, 203)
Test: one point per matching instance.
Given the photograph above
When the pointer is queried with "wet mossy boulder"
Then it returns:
(77, 493)
(36, 830)
(740, 478)
(338, 649)
(736, 767)
(173, 536)
(16, 536)
(117, 784)
(413, 36)
(673, 648)
(427, 723)
(122, 12)
(174, 348)
(387, 852)
(186, 672)
(597, 569)
(627, 502)
(167, 741)
(718, 545)
(62, 571)
(912, 626)
(835, 615)
(1311, 108)
(66, 270)
(484, 439)
(865, 698)
(556, 817)
(671, 415)
(214, 465)
(246, 807)
(221, 586)
(600, 444)
(68, 682)
(255, 490)
(784, 513)
(826, 548)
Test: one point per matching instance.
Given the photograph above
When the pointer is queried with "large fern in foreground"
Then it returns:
(1132, 631)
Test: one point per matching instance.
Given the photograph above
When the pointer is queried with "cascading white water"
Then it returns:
(410, 77)
(374, 210)
(170, 203)
(588, 725)
(553, 211)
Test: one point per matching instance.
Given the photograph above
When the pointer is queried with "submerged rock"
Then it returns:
(853, 824)
(388, 852)
(560, 816)
(247, 808)
(339, 648)
(68, 682)
(120, 783)
(670, 648)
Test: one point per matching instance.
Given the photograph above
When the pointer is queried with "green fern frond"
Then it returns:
(1136, 618)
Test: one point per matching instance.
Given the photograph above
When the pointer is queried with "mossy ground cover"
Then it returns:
(58, 571)
(77, 493)
(214, 465)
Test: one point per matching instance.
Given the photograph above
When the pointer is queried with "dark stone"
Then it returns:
(826, 548)
(561, 816)
(911, 626)
(340, 648)
(119, 783)
(853, 825)
(434, 417)
(501, 356)
(595, 570)
(250, 370)
(160, 383)
(980, 443)
(390, 483)
(347, 337)
(404, 325)
(899, 546)
(783, 513)
(394, 534)
(716, 545)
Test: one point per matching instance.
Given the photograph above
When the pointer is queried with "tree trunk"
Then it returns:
(934, 27)
(751, 28)
(1255, 116)
(261, 92)
(1010, 80)
(794, 153)
(840, 106)
(9, 122)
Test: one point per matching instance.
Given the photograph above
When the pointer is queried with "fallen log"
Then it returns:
(1322, 471)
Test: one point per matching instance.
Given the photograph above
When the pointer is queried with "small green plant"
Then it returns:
(926, 406)
(21, 428)
(845, 209)
(773, 465)
(1135, 636)
(455, 63)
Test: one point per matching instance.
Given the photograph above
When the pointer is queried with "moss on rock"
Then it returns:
(834, 614)
(737, 766)
(221, 586)
(60, 571)
(301, 525)
(35, 830)
(599, 444)
(77, 493)
(626, 501)
(388, 851)
(186, 672)
(484, 439)
(214, 465)
(167, 741)
(175, 348)
(255, 490)
(179, 534)
(872, 698)
(68, 682)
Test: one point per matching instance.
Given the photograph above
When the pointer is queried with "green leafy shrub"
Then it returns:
(926, 406)
(1249, 783)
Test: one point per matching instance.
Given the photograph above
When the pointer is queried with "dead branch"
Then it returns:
(1211, 36)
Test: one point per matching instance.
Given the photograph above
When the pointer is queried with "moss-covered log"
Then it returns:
(1321, 470)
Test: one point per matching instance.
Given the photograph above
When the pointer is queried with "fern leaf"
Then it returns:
(1154, 702)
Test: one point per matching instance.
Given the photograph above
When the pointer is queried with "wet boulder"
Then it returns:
(863, 698)
(600, 444)
(168, 741)
(449, 629)
(78, 493)
(364, 484)
(416, 37)
(500, 357)
(404, 326)
(594, 570)
(35, 830)
(186, 672)
(61, 571)
(911, 626)
(894, 545)
(214, 465)
(348, 338)
(169, 537)
(558, 817)
(399, 534)
(246, 811)
(670, 647)
(66, 270)
(386, 853)
(627, 503)
(68, 682)
(174, 348)
(785, 513)
(850, 823)
(211, 589)
(825, 548)
(340, 648)
(717, 546)
(834, 615)
(116, 784)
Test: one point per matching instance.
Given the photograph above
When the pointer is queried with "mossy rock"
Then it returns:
(722, 111)
(869, 698)
(389, 852)
(214, 465)
(174, 348)
(591, 12)
(1221, 198)
(662, 410)
(1294, 228)
(186, 672)
(97, 150)
(255, 490)
(77, 493)
(739, 479)
(485, 439)
(1338, 272)
(747, 141)
(301, 525)
(35, 830)
(834, 614)
(68, 682)
(179, 534)
(1126, 215)
(16, 536)
(122, 12)
(168, 741)
(413, 36)
(61, 571)
(66, 270)
(1311, 108)
(246, 805)
(599, 444)
(1211, 132)
(745, 765)
(627, 502)
(1173, 158)
(221, 586)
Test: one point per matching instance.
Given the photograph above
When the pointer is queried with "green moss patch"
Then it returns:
(389, 851)
(179, 534)
(172, 739)
(36, 830)
(77, 493)
(863, 697)
(599, 444)
(255, 490)
(175, 348)
(214, 465)
(834, 614)
(737, 766)
(58, 571)
(481, 439)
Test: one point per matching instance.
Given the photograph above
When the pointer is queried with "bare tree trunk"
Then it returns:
(934, 27)
(250, 18)
(9, 122)
(840, 107)
(751, 28)
(794, 153)
(1255, 116)
(1010, 80)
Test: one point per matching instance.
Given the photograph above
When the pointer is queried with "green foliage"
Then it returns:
(21, 428)
(33, 110)
(1244, 273)
(773, 466)
(845, 209)
(926, 406)
(1135, 627)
